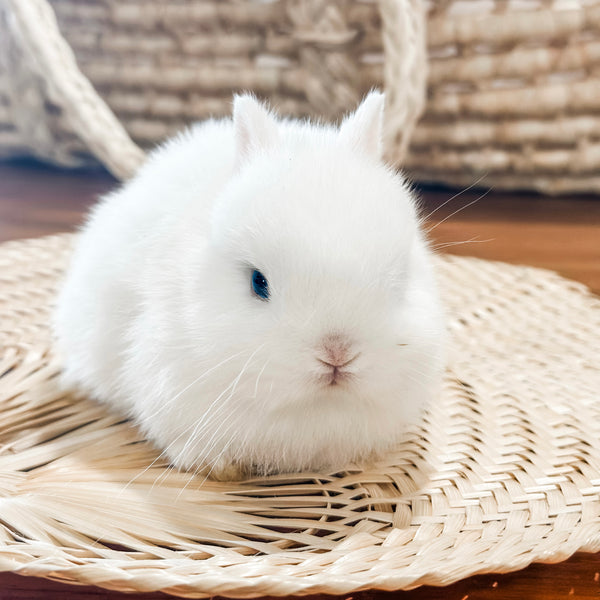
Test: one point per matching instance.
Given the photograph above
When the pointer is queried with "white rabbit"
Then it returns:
(259, 298)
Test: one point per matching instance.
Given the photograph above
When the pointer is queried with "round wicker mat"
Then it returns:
(504, 470)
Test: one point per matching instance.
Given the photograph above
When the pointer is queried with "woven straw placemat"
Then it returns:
(503, 470)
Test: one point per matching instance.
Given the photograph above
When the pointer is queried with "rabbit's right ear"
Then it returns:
(362, 130)
(255, 128)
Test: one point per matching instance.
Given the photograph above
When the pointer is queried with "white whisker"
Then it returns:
(258, 379)
(187, 387)
(471, 241)
(194, 436)
(458, 210)
(454, 197)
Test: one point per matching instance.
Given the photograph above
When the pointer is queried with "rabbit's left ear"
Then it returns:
(254, 126)
(363, 129)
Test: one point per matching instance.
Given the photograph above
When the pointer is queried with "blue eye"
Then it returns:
(260, 285)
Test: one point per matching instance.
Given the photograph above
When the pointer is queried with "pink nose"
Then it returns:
(335, 350)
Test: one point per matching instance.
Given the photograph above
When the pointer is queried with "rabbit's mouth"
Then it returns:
(335, 369)
(335, 375)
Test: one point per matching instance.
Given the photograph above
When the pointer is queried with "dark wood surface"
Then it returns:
(556, 233)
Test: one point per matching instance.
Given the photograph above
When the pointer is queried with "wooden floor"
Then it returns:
(560, 234)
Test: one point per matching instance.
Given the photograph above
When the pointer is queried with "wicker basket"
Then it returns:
(504, 470)
(513, 90)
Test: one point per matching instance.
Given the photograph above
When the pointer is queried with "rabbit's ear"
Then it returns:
(363, 129)
(254, 126)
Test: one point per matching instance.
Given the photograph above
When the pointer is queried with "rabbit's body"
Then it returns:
(322, 361)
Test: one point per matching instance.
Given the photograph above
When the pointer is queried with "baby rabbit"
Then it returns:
(259, 298)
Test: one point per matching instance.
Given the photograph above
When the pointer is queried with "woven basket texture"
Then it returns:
(513, 90)
(502, 471)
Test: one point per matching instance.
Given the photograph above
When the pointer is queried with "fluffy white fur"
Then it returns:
(157, 314)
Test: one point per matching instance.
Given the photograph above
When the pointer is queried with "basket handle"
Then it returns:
(51, 61)
(404, 34)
